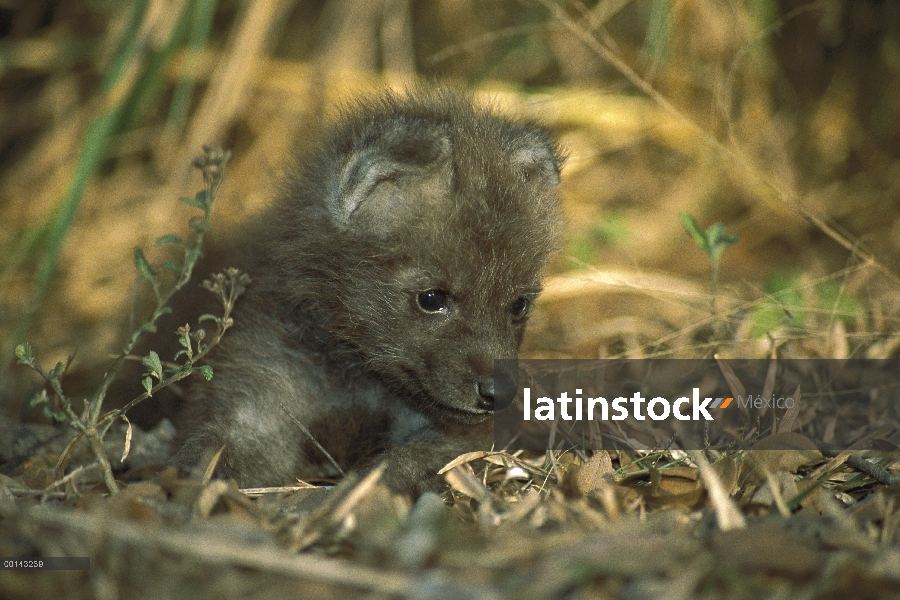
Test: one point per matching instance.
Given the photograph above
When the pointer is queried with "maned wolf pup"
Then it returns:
(402, 259)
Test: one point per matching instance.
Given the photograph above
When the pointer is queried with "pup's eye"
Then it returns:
(519, 307)
(432, 301)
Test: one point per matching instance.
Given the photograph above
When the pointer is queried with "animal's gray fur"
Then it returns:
(407, 193)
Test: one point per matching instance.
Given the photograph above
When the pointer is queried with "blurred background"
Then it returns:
(779, 119)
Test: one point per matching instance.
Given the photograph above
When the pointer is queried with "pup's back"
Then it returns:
(402, 260)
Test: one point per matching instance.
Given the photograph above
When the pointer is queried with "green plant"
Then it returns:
(792, 303)
(165, 280)
(610, 230)
(713, 243)
(129, 82)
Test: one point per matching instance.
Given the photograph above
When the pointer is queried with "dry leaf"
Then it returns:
(780, 488)
(787, 452)
(128, 434)
(728, 471)
(727, 514)
(464, 481)
(463, 458)
(790, 416)
(594, 473)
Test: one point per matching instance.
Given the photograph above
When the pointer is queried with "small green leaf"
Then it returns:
(718, 241)
(152, 362)
(694, 230)
(170, 238)
(172, 266)
(57, 371)
(148, 327)
(185, 340)
(723, 240)
(148, 385)
(207, 317)
(143, 267)
(23, 353)
(206, 371)
(57, 416)
(193, 202)
(38, 399)
(198, 201)
(165, 310)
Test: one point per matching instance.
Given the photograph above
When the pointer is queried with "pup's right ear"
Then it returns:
(536, 159)
(403, 148)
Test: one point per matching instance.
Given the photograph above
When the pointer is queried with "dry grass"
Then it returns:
(779, 120)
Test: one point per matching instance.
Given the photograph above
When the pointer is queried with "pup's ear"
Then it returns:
(405, 150)
(536, 159)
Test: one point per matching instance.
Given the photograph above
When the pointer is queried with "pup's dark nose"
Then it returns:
(486, 391)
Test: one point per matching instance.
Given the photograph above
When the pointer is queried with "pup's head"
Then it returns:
(418, 234)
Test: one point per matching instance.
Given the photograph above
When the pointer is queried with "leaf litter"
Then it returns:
(609, 524)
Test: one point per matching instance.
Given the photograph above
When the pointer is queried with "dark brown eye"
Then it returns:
(519, 307)
(432, 301)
